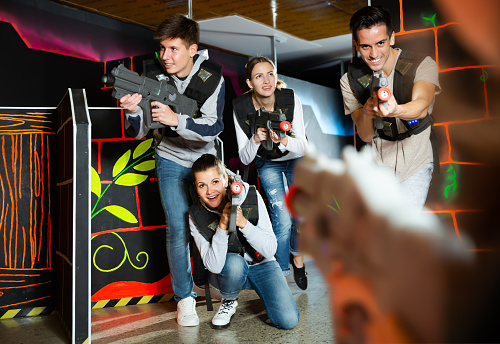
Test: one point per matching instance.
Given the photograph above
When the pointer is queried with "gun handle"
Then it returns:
(268, 144)
(232, 218)
(145, 104)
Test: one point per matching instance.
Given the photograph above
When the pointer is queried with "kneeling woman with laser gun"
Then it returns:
(242, 257)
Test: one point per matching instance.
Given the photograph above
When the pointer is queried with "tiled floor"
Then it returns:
(155, 323)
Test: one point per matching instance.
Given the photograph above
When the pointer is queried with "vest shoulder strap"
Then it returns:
(285, 101)
(204, 83)
(205, 221)
(243, 106)
(250, 206)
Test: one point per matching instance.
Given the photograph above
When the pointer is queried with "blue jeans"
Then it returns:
(416, 187)
(266, 279)
(174, 182)
(271, 177)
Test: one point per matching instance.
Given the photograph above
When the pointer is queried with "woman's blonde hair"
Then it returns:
(259, 59)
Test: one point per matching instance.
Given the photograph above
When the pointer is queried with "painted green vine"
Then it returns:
(125, 256)
(453, 178)
(125, 179)
(431, 19)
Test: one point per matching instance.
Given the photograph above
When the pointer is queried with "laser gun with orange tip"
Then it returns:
(270, 120)
(380, 85)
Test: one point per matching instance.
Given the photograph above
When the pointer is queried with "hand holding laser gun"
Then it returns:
(125, 81)
(380, 90)
(270, 120)
(390, 268)
(235, 199)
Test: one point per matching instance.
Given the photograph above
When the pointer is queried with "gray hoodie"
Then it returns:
(196, 136)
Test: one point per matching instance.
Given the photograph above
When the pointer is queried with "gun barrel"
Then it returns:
(108, 80)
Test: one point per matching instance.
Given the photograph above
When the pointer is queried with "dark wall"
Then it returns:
(38, 78)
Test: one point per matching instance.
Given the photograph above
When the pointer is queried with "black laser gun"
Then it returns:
(380, 85)
(125, 81)
(271, 120)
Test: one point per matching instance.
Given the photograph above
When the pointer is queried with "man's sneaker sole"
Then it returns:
(220, 327)
(188, 323)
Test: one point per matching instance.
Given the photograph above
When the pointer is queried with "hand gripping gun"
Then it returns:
(235, 198)
(380, 85)
(125, 81)
(271, 120)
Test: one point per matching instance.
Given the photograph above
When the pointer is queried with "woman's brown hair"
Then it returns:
(259, 59)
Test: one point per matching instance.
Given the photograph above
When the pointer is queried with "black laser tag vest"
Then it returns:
(360, 74)
(243, 106)
(204, 83)
(207, 222)
(200, 88)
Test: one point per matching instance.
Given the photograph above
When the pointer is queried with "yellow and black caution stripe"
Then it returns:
(25, 312)
(130, 301)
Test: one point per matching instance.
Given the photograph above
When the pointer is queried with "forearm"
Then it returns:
(247, 149)
(364, 125)
(209, 125)
(261, 236)
(416, 109)
(136, 121)
(297, 145)
(422, 97)
(212, 254)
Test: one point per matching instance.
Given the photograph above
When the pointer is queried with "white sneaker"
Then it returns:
(186, 312)
(223, 316)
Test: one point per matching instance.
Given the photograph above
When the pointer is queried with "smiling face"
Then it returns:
(374, 45)
(211, 187)
(263, 80)
(176, 57)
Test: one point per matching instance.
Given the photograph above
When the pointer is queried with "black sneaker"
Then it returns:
(299, 274)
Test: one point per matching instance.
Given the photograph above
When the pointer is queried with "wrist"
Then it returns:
(243, 223)
(222, 226)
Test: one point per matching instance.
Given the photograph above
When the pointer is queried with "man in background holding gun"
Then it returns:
(185, 139)
(403, 143)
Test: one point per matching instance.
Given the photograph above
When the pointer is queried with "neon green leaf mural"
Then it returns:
(131, 179)
(142, 148)
(431, 19)
(120, 177)
(121, 213)
(121, 163)
(95, 182)
(453, 177)
(145, 166)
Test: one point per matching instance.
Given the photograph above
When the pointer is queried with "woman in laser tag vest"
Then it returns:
(269, 128)
(241, 257)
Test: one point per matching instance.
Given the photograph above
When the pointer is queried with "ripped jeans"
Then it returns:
(272, 177)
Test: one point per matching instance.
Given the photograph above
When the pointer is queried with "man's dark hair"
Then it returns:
(179, 26)
(368, 17)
